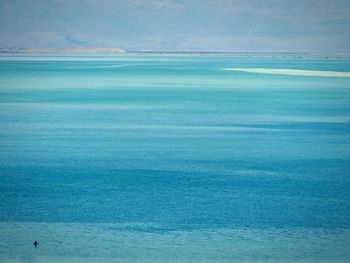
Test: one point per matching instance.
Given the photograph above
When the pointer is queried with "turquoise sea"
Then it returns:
(150, 158)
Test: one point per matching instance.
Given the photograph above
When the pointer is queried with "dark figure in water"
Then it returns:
(36, 243)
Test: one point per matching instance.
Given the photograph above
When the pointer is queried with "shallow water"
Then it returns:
(173, 159)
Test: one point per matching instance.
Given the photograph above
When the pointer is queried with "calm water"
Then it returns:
(173, 159)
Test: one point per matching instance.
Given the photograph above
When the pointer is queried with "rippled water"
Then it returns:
(174, 159)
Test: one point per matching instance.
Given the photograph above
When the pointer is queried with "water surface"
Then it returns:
(135, 158)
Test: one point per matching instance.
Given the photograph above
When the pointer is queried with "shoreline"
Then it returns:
(118, 52)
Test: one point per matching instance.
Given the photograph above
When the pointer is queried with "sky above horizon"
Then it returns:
(192, 25)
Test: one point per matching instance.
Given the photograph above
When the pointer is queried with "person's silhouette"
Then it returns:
(36, 243)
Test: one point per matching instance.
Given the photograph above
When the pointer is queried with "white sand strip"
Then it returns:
(294, 72)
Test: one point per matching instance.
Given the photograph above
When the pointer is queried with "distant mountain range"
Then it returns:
(63, 50)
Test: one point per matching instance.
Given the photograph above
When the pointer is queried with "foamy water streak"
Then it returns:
(293, 72)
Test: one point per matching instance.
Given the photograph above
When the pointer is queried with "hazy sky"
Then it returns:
(222, 25)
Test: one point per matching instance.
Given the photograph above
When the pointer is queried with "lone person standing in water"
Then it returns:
(36, 243)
